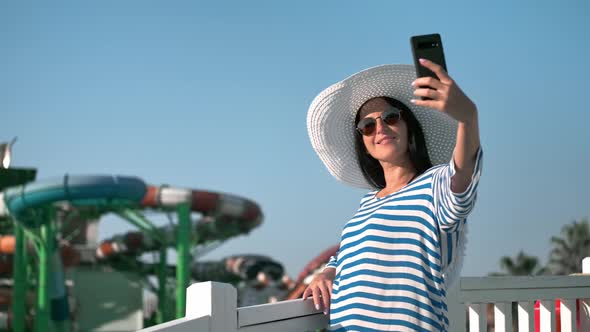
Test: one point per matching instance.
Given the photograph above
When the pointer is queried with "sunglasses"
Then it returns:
(367, 126)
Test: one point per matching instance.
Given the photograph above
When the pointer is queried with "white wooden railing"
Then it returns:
(212, 307)
(475, 294)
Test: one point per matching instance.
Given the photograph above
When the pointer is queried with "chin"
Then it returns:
(393, 159)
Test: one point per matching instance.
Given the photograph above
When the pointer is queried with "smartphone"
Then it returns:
(427, 47)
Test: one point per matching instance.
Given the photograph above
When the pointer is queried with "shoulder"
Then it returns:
(435, 169)
(367, 197)
(431, 173)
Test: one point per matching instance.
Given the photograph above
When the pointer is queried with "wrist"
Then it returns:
(329, 271)
(470, 117)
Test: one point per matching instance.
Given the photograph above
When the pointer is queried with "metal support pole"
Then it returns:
(162, 315)
(141, 222)
(20, 279)
(47, 238)
(183, 238)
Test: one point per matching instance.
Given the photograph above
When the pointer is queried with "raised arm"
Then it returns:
(447, 97)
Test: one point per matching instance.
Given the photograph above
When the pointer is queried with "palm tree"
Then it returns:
(522, 265)
(569, 250)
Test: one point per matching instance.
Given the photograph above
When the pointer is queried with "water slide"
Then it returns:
(125, 191)
(309, 271)
(225, 216)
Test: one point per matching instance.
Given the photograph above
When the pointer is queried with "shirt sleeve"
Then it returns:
(453, 208)
(332, 262)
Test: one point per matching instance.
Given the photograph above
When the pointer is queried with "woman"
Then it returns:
(421, 158)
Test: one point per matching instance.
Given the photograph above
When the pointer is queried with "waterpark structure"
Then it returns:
(56, 276)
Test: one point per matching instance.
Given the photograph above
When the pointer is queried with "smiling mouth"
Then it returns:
(385, 140)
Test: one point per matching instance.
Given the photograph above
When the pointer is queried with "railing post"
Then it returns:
(547, 315)
(585, 303)
(503, 317)
(567, 309)
(214, 299)
(526, 316)
(456, 313)
(478, 320)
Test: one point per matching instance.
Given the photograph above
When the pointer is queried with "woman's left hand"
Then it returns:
(445, 94)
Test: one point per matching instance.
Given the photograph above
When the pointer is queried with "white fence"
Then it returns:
(502, 294)
(212, 307)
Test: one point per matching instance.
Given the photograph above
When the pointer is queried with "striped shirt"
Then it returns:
(396, 255)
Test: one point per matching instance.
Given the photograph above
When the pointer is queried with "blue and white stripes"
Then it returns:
(396, 254)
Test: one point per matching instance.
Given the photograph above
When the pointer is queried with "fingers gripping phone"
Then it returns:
(427, 47)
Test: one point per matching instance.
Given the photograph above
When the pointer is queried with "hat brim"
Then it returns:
(331, 115)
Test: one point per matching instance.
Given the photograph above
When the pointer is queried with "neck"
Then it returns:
(397, 175)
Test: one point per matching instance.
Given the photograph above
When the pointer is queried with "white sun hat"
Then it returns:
(331, 115)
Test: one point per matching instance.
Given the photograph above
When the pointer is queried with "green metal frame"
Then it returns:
(8, 178)
(141, 222)
(162, 314)
(183, 240)
(44, 243)
(144, 224)
(43, 306)
(20, 280)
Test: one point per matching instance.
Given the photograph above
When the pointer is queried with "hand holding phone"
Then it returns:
(427, 47)
(448, 96)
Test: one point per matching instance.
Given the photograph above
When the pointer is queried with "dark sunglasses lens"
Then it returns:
(391, 117)
(367, 126)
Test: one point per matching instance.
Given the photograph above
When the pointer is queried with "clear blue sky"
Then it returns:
(214, 96)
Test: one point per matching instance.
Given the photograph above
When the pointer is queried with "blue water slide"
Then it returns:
(72, 188)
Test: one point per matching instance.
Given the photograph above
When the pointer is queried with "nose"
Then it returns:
(379, 125)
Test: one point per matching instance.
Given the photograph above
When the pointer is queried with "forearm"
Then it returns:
(464, 156)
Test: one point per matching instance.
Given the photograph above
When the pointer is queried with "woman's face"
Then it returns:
(388, 143)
